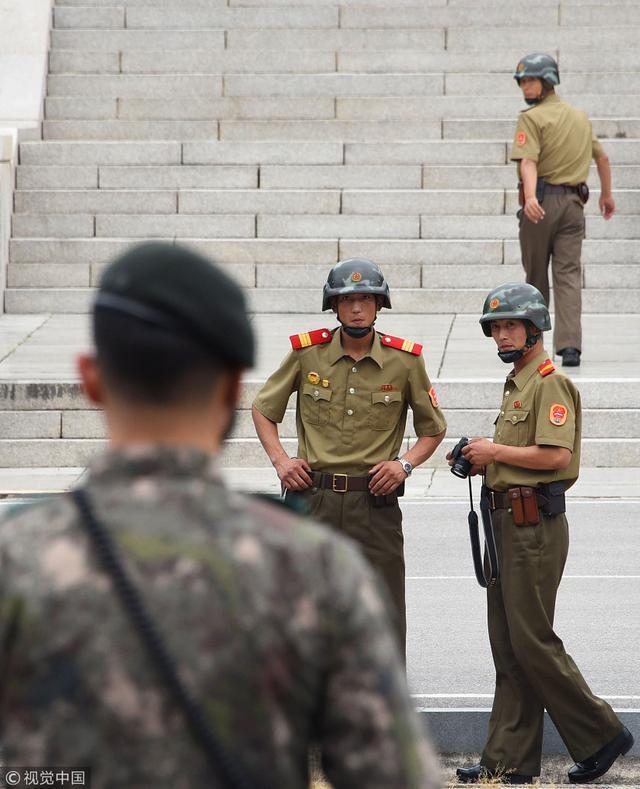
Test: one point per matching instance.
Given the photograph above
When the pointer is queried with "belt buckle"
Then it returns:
(334, 483)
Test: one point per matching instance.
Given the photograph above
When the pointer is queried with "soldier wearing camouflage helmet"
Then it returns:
(553, 146)
(274, 623)
(353, 387)
(533, 458)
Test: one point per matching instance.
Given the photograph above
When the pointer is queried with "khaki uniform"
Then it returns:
(559, 138)
(540, 406)
(350, 416)
(274, 622)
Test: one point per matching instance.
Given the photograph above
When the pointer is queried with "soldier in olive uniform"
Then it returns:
(554, 145)
(353, 386)
(533, 458)
(273, 622)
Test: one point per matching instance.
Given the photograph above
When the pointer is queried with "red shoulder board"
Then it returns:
(309, 338)
(546, 368)
(401, 345)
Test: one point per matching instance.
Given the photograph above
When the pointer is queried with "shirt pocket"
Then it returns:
(315, 404)
(515, 428)
(386, 408)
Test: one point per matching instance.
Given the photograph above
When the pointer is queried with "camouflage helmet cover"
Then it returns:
(539, 65)
(355, 275)
(515, 300)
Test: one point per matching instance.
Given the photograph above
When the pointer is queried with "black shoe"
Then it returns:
(471, 775)
(570, 357)
(598, 764)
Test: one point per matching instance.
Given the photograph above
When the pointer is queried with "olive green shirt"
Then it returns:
(537, 410)
(354, 415)
(559, 138)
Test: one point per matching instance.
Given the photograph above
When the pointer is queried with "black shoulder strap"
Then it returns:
(229, 772)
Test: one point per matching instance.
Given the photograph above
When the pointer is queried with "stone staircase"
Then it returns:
(282, 135)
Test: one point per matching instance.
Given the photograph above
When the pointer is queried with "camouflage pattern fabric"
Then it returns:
(515, 300)
(276, 625)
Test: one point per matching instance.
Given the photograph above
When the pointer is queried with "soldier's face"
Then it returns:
(531, 87)
(510, 335)
(357, 309)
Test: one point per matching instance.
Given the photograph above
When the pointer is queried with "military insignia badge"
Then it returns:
(521, 138)
(325, 383)
(558, 414)
(313, 378)
(387, 387)
(517, 404)
(494, 303)
(356, 276)
(520, 67)
(433, 397)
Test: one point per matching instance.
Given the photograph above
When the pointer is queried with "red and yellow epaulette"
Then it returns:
(309, 338)
(546, 368)
(401, 345)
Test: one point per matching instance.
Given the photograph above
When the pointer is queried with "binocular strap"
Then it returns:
(490, 559)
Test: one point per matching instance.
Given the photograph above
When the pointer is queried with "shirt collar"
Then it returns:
(336, 351)
(522, 378)
(144, 460)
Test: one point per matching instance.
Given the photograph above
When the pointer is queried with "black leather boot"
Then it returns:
(471, 775)
(570, 357)
(598, 764)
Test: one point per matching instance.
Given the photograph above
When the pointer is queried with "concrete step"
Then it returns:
(188, 61)
(175, 153)
(326, 251)
(241, 452)
(419, 301)
(82, 275)
(432, 202)
(385, 61)
(190, 16)
(203, 108)
(599, 394)
(201, 201)
(147, 177)
(87, 424)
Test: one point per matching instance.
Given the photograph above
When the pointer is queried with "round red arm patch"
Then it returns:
(558, 414)
(433, 397)
(521, 138)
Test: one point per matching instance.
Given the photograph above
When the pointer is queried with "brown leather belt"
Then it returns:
(339, 483)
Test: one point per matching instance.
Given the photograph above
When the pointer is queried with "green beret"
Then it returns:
(179, 290)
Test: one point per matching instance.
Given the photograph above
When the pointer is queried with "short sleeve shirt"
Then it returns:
(541, 410)
(351, 415)
(559, 138)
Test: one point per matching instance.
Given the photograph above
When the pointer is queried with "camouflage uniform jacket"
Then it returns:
(274, 623)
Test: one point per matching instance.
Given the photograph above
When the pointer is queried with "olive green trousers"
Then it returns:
(378, 532)
(533, 671)
(557, 238)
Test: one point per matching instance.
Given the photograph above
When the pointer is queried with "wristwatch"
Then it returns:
(408, 468)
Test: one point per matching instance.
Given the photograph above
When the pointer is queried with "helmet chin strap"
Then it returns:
(357, 332)
(508, 357)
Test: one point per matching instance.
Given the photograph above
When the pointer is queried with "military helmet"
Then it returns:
(538, 65)
(355, 275)
(515, 300)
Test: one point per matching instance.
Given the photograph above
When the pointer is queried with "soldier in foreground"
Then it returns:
(353, 388)
(554, 145)
(533, 458)
(271, 625)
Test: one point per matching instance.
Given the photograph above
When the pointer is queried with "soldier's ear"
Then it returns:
(90, 378)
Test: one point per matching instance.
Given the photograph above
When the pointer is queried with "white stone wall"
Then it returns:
(24, 47)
